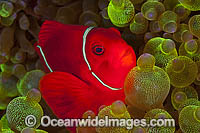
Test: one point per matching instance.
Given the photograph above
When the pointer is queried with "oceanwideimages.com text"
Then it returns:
(46, 121)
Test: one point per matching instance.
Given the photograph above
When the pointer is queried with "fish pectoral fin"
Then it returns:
(67, 96)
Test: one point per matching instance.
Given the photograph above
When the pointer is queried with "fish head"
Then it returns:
(110, 58)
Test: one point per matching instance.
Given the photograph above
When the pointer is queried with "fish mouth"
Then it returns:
(127, 52)
(127, 57)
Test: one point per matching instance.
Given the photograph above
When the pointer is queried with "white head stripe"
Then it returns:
(84, 43)
(85, 58)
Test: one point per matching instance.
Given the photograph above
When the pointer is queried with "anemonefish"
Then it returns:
(87, 66)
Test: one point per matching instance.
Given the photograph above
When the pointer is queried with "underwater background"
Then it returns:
(163, 33)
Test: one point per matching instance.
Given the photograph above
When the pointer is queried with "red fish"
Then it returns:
(88, 67)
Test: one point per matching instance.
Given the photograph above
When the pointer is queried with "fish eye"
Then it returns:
(98, 49)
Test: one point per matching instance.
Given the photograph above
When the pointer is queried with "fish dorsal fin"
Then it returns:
(48, 30)
(116, 31)
(66, 95)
